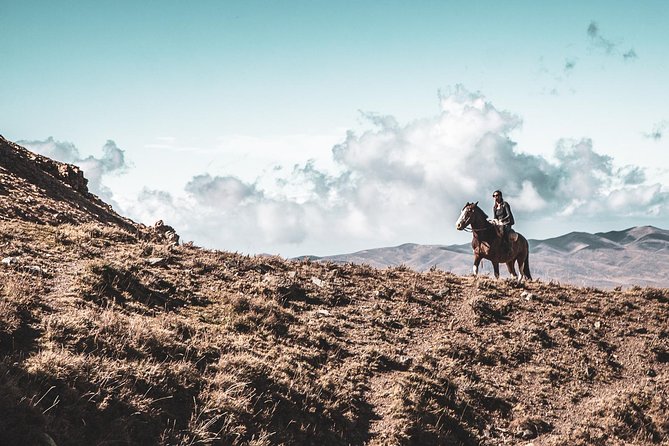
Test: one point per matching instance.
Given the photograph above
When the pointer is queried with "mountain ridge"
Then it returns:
(579, 258)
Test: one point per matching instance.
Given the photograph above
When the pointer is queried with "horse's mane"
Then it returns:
(476, 206)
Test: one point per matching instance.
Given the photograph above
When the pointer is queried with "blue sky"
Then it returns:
(325, 127)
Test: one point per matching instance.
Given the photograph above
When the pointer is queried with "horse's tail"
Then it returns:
(526, 264)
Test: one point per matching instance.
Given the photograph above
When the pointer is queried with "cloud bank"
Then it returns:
(112, 161)
(399, 182)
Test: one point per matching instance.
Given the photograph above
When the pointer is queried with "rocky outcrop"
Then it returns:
(73, 177)
(68, 174)
(163, 233)
(41, 190)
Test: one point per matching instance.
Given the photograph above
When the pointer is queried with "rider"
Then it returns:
(501, 211)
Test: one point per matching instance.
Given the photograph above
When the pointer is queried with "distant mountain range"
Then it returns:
(634, 256)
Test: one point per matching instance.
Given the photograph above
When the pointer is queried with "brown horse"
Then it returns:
(486, 243)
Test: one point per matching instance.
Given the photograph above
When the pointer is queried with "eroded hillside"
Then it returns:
(111, 339)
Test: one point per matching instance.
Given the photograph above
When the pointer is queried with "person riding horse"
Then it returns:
(501, 211)
(486, 243)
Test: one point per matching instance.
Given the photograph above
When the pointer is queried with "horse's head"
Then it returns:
(465, 218)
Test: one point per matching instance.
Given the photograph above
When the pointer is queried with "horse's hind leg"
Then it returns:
(512, 269)
(521, 268)
(495, 268)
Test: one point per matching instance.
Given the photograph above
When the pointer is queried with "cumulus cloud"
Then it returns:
(112, 161)
(222, 192)
(227, 213)
(397, 182)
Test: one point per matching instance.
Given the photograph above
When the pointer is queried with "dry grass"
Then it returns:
(120, 340)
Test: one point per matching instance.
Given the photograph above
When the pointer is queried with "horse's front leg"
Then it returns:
(495, 268)
(477, 261)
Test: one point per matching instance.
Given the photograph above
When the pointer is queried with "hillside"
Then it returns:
(112, 335)
(38, 189)
(636, 256)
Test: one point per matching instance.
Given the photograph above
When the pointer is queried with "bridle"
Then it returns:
(468, 226)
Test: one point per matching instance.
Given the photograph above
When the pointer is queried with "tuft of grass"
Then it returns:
(19, 301)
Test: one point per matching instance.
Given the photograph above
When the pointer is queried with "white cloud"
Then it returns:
(394, 183)
(643, 200)
(528, 199)
(223, 193)
(397, 182)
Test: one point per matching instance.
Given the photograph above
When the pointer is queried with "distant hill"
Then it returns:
(634, 256)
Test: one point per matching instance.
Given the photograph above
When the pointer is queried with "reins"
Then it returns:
(470, 229)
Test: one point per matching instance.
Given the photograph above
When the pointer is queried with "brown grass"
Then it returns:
(120, 340)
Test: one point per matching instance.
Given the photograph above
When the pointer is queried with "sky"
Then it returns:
(320, 127)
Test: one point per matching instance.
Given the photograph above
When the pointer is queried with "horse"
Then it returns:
(487, 241)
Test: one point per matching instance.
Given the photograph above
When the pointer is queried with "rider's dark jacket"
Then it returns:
(503, 214)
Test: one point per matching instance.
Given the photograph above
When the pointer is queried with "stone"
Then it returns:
(34, 269)
(164, 233)
(527, 295)
(528, 434)
(10, 261)
(73, 177)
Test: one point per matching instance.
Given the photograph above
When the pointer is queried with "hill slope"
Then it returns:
(38, 189)
(110, 337)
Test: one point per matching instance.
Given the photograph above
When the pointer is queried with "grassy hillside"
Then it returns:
(109, 337)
